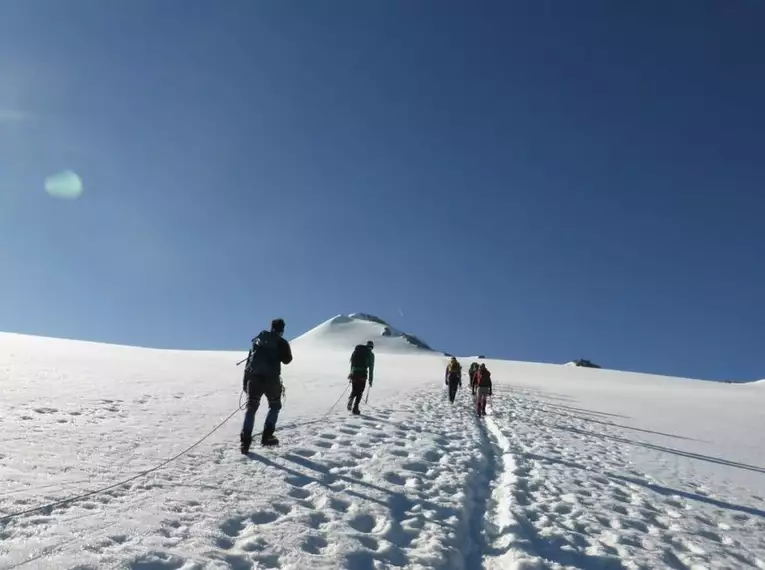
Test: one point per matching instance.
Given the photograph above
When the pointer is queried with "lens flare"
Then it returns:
(66, 185)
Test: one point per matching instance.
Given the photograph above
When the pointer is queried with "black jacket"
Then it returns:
(269, 351)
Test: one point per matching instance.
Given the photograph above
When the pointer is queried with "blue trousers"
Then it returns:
(257, 387)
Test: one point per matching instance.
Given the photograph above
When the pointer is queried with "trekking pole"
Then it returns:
(242, 360)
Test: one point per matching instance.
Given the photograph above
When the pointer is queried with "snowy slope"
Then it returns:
(574, 468)
(342, 332)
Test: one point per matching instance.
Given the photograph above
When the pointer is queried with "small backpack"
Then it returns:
(360, 356)
(265, 355)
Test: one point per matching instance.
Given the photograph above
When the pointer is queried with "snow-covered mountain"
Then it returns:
(343, 332)
(573, 468)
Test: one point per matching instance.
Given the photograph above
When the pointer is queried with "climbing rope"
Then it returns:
(80, 497)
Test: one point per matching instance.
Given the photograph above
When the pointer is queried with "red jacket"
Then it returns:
(483, 379)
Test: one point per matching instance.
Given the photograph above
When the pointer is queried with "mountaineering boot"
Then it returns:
(245, 443)
(356, 411)
(268, 439)
(350, 403)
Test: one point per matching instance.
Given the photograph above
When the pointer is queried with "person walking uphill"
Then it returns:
(362, 365)
(483, 389)
(453, 377)
(471, 373)
(262, 376)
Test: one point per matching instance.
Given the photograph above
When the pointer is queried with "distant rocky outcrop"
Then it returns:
(389, 331)
(583, 363)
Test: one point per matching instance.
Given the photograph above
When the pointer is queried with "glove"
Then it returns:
(350, 377)
(370, 383)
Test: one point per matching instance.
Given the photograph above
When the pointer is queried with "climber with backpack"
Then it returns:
(453, 377)
(471, 373)
(483, 389)
(262, 376)
(362, 366)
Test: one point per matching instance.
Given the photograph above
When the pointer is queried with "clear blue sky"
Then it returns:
(530, 180)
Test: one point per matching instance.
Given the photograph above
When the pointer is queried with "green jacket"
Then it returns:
(370, 365)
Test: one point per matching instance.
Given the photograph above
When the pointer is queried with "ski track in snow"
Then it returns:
(539, 483)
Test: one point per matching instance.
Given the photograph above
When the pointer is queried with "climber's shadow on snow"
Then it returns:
(401, 427)
(692, 496)
(622, 426)
(654, 447)
(660, 489)
(527, 391)
(329, 480)
(573, 409)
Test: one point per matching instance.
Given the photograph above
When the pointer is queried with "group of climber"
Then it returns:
(262, 376)
(480, 382)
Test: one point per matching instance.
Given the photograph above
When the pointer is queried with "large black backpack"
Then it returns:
(360, 356)
(265, 355)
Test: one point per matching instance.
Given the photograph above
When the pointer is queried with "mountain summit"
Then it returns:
(343, 332)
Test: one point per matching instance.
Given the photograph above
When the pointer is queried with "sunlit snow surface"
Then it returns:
(573, 468)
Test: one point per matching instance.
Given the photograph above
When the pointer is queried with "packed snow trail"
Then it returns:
(569, 496)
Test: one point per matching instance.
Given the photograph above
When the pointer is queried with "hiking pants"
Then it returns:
(480, 403)
(358, 384)
(257, 387)
(453, 385)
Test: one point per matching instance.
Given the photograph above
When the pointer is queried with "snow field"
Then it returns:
(573, 468)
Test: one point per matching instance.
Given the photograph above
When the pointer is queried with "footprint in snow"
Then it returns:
(317, 520)
(363, 523)
(394, 478)
(303, 452)
(433, 456)
(298, 493)
(361, 455)
(368, 542)
(314, 544)
(281, 508)
(339, 505)
(264, 517)
(415, 466)
(156, 559)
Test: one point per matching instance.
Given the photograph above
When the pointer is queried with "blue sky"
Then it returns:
(530, 180)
